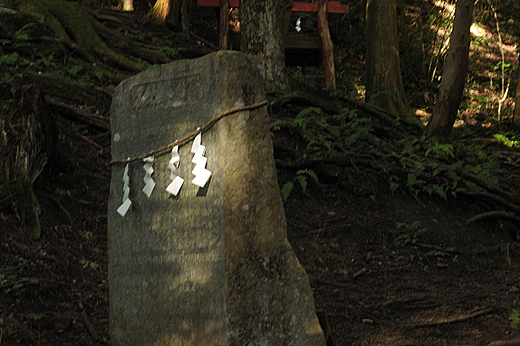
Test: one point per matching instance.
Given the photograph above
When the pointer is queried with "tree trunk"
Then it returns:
(127, 5)
(384, 84)
(516, 114)
(261, 27)
(160, 11)
(224, 25)
(454, 74)
(29, 139)
(173, 11)
(326, 45)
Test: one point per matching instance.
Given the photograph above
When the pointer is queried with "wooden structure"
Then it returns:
(323, 42)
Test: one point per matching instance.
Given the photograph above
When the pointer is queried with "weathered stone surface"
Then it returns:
(212, 266)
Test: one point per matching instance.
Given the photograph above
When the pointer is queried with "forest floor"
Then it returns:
(387, 267)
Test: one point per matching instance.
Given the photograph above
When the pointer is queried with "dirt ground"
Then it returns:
(455, 286)
(442, 281)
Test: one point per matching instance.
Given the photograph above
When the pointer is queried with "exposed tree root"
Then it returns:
(75, 26)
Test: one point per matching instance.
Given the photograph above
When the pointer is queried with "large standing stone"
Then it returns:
(211, 266)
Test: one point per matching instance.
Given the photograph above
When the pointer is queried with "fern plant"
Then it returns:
(301, 180)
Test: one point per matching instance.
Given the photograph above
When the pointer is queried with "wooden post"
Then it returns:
(224, 25)
(287, 19)
(326, 45)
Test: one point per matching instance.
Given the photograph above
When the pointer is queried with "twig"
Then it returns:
(508, 255)
(62, 208)
(359, 273)
(209, 44)
(71, 112)
(452, 319)
(75, 134)
(490, 187)
(438, 248)
(31, 281)
(513, 342)
(511, 153)
(494, 214)
(89, 326)
(494, 198)
(194, 133)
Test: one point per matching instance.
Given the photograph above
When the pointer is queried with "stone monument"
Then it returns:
(210, 265)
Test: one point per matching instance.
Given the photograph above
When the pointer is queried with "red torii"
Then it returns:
(332, 6)
(321, 6)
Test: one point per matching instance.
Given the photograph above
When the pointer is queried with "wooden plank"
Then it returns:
(337, 7)
(332, 6)
(216, 3)
(301, 41)
(304, 7)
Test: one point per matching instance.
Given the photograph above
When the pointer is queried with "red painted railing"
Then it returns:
(332, 6)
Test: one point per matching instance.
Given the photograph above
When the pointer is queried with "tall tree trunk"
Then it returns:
(384, 84)
(516, 114)
(173, 11)
(454, 74)
(160, 11)
(326, 45)
(127, 5)
(261, 27)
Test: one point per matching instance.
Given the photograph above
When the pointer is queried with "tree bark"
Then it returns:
(454, 74)
(224, 25)
(384, 84)
(127, 5)
(516, 114)
(29, 139)
(326, 45)
(261, 28)
(160, 11)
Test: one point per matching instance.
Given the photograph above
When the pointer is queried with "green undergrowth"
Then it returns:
(410, 162)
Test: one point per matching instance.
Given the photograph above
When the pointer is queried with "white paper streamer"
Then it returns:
(177, 181)
(200, 172)
(149, 182)
(196, 142)
(298, 27)
(123, 208)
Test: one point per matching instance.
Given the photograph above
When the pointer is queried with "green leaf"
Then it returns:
(303, 181)
(310, 173)
(440, 191)
(335, 132)
(286, 190)
(514, 317)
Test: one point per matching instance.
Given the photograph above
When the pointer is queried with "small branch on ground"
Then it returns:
(494, 214)
(74, 114)
(514, 342)
(89, 326)
(206, 42)
(455, 319)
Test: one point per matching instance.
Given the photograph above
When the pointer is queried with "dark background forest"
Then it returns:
(407, 238)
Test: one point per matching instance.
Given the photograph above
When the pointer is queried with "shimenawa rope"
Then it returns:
(194, 133)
